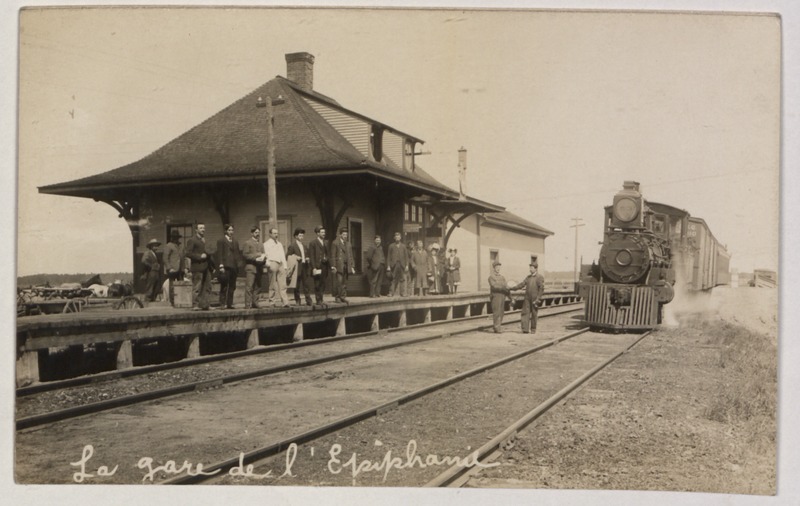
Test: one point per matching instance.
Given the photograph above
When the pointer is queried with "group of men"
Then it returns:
(310, 264)
(412, 270)
(499, 289)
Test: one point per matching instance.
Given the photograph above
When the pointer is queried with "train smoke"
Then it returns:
(687, 304)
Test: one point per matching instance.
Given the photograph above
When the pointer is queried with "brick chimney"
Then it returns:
(300, 69)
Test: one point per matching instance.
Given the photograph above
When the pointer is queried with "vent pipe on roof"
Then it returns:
(300, 69)
(462, 174)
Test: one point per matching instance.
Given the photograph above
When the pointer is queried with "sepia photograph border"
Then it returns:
(789, 349)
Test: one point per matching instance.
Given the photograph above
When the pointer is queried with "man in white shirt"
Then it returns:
(276, 262)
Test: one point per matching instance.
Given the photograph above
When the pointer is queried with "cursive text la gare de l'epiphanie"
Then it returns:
(336, 464)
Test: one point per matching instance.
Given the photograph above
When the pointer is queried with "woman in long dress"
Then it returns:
(434, 270)
(453, 268)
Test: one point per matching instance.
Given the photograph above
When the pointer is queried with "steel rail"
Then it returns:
(276, 448)
(456, 475)
(128, 400)
(179, 364)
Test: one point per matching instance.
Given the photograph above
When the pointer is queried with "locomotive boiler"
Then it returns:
(646, 246)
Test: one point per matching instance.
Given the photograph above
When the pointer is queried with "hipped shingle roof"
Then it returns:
(233, 144)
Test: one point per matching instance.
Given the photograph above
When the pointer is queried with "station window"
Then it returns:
(186, 230)
(412, 213)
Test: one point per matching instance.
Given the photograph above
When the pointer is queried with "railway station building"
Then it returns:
(333, 166)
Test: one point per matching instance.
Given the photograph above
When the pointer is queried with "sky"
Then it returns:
(555, 109)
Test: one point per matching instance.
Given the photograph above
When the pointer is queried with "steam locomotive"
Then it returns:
(647, 249)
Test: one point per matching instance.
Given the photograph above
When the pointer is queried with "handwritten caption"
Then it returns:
(336, 464)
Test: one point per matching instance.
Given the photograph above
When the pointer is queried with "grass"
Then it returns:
(750, 363)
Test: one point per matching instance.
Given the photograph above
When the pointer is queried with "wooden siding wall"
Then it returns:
(474, 246)
(355, 130)
(295, 203)
(393, 148)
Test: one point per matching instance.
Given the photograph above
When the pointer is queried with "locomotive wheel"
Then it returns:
(129, 302)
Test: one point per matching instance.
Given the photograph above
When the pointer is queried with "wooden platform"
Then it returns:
(122, 329)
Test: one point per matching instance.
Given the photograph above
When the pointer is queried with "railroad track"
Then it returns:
(458, 475)
(207, 359)
(213, 382)
(220, 470)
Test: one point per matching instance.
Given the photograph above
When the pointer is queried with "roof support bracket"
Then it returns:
(454, 225)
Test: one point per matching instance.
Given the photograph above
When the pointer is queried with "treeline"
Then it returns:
(57, 279)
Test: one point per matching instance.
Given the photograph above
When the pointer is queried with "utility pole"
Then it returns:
(575, 226)
(272, 198)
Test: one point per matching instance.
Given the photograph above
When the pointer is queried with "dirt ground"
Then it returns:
(691, 408)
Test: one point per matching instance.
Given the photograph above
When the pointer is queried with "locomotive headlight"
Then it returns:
(625, 210)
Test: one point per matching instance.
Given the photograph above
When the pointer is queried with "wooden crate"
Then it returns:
(183, 293)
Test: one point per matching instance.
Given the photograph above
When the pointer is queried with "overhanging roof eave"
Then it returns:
(91, 190)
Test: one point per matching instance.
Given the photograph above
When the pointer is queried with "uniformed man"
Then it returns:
(498, 291)
(534, 288)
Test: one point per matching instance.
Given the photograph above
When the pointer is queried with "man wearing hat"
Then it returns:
(498, 291)
(534, 288)
(173, 261)
(151, 271)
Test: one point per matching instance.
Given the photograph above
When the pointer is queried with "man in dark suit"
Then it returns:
(376, 263)
(151, 270)
(534, 289)
(201, 268)
(397, 266)
(303, 266)
(174, 261)
(318, 256)
(227, 258)
(341, 265)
